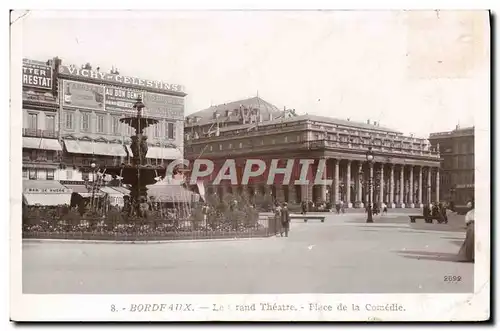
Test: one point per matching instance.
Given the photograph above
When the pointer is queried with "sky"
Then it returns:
(413, 71)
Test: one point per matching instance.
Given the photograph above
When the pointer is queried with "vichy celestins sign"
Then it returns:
(113, 78)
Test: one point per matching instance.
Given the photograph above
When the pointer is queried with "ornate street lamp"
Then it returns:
(93, 165)
(369, 158)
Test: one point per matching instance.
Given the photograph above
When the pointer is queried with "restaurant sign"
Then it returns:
(83, 95)
(48, 190)
(37, 75)
(113, 78)
(156, 105)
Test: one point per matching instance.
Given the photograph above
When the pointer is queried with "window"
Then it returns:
(32, 121)
(32, 173)
(50, 174)
(25, 173)
(170, 131)
(116, 125)
(241, 145)
(85, 122)
(50, 123)
(69, 174)
(230, 145)
(100, 123)
(156, 132)
(220, 147)
(286, 139)
(69, 120)
(85, 176)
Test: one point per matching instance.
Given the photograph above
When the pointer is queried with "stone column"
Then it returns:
(372, 184)
(412, 204)
(381, 182)
(420, 179)
(437, 185)
(391, 184)
(359, 187)
(292, 194)
(429, 173)
(336, 181)
(402, 186)
(348, 184)
(323, 193)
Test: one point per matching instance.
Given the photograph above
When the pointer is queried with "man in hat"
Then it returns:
(285, 220)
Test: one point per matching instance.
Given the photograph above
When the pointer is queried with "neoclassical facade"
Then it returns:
(405, 170)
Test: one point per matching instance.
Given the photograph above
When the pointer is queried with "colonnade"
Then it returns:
(397, 185)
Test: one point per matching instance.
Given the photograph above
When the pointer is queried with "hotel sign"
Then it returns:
(113, 79)
(37, 75)
(83, 95)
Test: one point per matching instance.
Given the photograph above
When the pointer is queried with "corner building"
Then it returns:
(405, 169)
(41, 147)
(457, 152)
(92, 102)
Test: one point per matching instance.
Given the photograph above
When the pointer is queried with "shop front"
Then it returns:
(45, 193)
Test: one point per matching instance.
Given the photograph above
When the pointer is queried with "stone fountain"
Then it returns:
(138, 173)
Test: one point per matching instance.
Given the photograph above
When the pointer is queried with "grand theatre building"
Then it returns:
(405, 169)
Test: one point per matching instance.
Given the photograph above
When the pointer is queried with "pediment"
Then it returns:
(69, 137)
(85, 138)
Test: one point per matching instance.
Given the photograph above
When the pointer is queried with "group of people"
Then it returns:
(436, 210)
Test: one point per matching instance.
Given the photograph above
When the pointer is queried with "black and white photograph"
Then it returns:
(315, 165)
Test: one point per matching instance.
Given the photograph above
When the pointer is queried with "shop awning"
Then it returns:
(45, 193)
(163, 153)
(78, 147)
(122, 190)
(32, 199)
(31, 142)
(97, 148)
(84, 191)
(51, 145)
(155, 152)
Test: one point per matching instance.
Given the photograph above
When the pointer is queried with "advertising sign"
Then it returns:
(37, 75)
(121, 99)
(156, 105)
(48, 190)
(164, 106)
(83, 95)
(39, 97)
(114, 78)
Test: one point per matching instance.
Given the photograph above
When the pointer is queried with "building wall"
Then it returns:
(457, 153)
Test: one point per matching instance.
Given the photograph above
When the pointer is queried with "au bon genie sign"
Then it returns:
(112, 78)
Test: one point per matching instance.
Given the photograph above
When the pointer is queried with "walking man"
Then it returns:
(285, 220)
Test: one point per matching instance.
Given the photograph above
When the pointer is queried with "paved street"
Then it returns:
(342, 255)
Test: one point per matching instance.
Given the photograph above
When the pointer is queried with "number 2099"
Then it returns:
(452, 278)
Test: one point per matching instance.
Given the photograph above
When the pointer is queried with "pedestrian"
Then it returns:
(304, 207)
(342, 207)
(285, 220)
(277, 220)
(384, 208)
(337, 207)
(466, 252)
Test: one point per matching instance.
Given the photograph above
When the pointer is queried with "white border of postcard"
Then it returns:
(416, 307)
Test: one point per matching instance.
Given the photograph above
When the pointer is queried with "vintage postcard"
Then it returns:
(250, 165)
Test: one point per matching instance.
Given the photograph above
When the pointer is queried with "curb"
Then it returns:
(124, 242)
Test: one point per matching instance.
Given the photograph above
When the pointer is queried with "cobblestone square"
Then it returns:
(342, 255)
